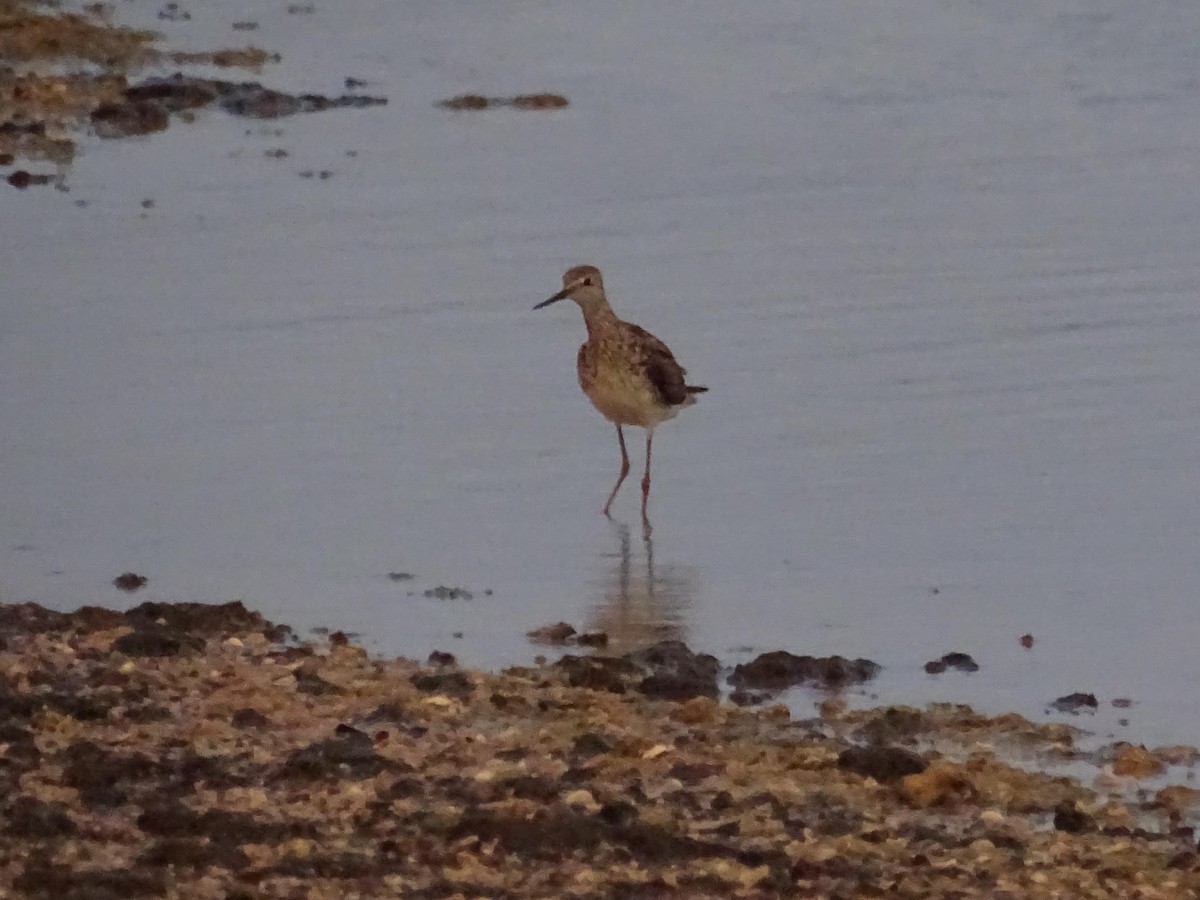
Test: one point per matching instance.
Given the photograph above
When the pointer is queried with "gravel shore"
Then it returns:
(197, 751)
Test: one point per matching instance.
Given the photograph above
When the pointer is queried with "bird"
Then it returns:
(630, 376)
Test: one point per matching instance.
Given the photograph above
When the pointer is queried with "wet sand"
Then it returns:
(199, 751)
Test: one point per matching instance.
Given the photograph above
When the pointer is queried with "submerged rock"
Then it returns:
(520, 101)
(1074, 703)
(556, 633)
(961, 661)
(146, 107)
(779, 669)
(130, 581)
(128, 119)
(676, 673)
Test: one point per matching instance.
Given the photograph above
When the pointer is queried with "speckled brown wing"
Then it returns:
(663, 372)
(585, 366)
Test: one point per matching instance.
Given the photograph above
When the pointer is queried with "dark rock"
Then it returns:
(592, 744)
(176, 93)
(884, 764)
(466, 101)
(309, 682)
(721, 801)
(961, 661)
(441, 658)
(94, 618)
(779, 669)
(19, 125)
(157, 641)
(539, 101)
(592, 639)
(146, 713)
(554, 833)
(1074, 703)
(89, 766)
(694, 773)
(21, 179)
(30, 618)
(192, 854)
(556, 633)
(173, 12)
(391, 711)
(130, 581)
(32, 818)
(532, 787)
(748, 698)
(618, 813)
(22, 752)
(405, 786)
(1070, 818)
(598, 673)
(190, 769)
(453, 683)
(443, 592)
(246, 717)
(1027, 641)
(17, 705)
(894, 724)
(207, 619)
(349, 754)
(341, 866)
(117, 120)
(173, 819)
(520, 101)
(43, 879)
(676, 673)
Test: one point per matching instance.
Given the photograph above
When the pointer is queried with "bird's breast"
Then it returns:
(619, 388)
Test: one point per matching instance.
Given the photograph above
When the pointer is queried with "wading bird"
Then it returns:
(628, 374)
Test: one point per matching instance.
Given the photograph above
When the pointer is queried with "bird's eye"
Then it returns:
(587, 281)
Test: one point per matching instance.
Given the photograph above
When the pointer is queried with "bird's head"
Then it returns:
(582, 284)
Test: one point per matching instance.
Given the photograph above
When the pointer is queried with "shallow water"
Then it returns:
(937, 264)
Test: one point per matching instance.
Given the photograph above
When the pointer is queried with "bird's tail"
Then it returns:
(696, 389)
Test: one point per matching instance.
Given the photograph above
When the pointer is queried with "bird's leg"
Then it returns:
(646, 483)
(624, 471)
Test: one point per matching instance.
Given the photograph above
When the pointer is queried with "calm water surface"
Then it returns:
(937, 263)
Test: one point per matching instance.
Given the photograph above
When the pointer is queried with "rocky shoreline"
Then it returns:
(201, 751)
(63, 74)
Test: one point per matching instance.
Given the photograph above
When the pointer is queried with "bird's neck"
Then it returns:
(599, 318)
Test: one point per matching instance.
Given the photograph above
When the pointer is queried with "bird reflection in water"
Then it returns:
(639, 605)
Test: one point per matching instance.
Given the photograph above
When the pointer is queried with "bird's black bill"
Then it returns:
(561, 295)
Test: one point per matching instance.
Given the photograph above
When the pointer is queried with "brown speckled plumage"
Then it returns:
(630, 376)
